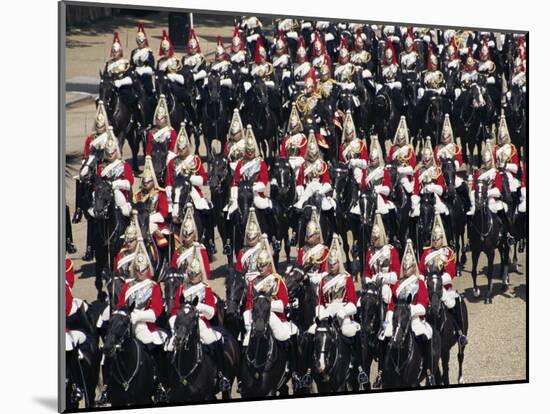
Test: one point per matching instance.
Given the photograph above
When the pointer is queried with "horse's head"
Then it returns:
(186, 326)
(448, 169)
(88, 169)
(370, 307)
(425, 220)
(435, 292)
(103, 198)
(435, 113)
(172, 282)
(282, 187)
(480, 194)
(340, 176)
(107, 88)
(114, 285)
(294, 281)
(476, 98)
(159, 154)
(235, 292)
(325, 345)
(367, 205)
(245, 198)
(517, 106)
(261, 340)
(213, 87)
(183, 184)
(119, 330)
(218, 174)
(401, 322)
(382, 101)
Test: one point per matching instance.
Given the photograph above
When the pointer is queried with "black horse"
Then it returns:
(433, 117)
(215, 114)
(108, 229)
(121, 116)
(82, 361)
(193, 367)
(235, 294)
(219, 181)
(371, 316)
(516, 116)
(263, 370)
(439, 317)
(130, 378)
(387, 115)
(258, 113)
(457, 214)
(344, 193)
(398, 227)
(485, 237)
(473, 113)
(425, 222)
(159, 155)
(331, 356)
(403, 366)
(361, 226)
(282, 193)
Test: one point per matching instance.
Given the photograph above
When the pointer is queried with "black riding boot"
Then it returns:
(223, 382)
(159, 357)
(381, 363)
(456, 313)
(105, 370)
(69, 244)
(507, 227)
(89, 254)
(362, 378)
(426, 347)
(293, 361)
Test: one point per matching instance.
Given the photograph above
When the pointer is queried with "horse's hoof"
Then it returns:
(70, 247)
(461, 380)
(488, 301)
(505, 287)
(226, 250)
(476, 293)
(88, 256)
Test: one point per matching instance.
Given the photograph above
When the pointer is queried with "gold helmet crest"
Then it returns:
(438, 231)
(132, 230)
(336, 252)
(503, 133)
(101, 120)
(162, 114)
(376, 151)
(294, 122)
(314, 225)
(409, 260)
(182, 140)
(252, 230)
(149, 172)
(188, 225)
(378, 234)
(447, 135)
(402, 133)
(349, 127)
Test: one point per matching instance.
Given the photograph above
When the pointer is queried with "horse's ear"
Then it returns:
(195, 301)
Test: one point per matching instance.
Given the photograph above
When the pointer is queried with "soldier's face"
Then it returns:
(334, 268)
(265, 269)
(253, 241)
(132, 244)
(188, 239)
(183, 152)
(313, 239)
(194, 278)
(438, 243)
(140, 274)
(110, 156)
(117, 54)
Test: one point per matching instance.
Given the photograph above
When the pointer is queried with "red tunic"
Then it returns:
(262, 177)
(323, 178)
(514, 159)
(449, 268)
(171, 144)
(161, 207)
(204, 255)
(394, 265)
(170, 176)
(208, 300)
(524, 175)
(323, 261)
(155, 302)
(240, 266)
(417, 188)
(69, 272)
(303, 147)
(421, 297)
(87, 145)
(349, 297)
(282, 295)
(363, 153)
(68, 299)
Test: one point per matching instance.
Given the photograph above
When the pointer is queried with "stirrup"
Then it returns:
(510, 239)
(103, 399)
(307, 380)
(362, 377)
(223, 382)
(378, 380)
(430, 380)
(296, 381)
(226, 250)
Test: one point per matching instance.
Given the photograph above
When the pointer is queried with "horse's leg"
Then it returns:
(445, 356)
(490, 269)
(504, 265)
(475, 258)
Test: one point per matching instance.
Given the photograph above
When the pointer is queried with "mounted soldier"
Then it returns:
(246, 257)
(222, 66)
(142, 61)
(312, 257)
(162, 131)
(411, 65)
(119, 69)
(391, 75)
(294, 143)
(301, 66)
(126, 255)
(344, 69)
(235, 144)
(440, 259)
(433, 81)
(155, 202)
(194, 60)
(313, 177)
(353, 150)
(186, 243)
(193, 288)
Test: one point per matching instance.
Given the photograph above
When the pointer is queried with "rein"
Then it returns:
(126, 383)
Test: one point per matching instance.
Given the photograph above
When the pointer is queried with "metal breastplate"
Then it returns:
(141, 296)
(293, 145)
(337, 291)
(382, 263)
(316, 170)
(352, 150)
(434, 79)
(235, 150)
(266, 284)
(389, 72)
(375, 181)
(190, 291)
